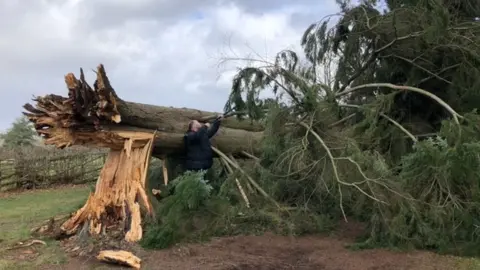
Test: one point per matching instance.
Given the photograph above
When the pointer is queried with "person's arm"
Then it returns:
(193, 136)
(212, 130)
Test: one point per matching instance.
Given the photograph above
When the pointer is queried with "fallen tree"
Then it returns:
(97, 117)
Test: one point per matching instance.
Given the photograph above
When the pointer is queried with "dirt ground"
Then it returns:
(266, 252)
(275, 252)
(271, 251)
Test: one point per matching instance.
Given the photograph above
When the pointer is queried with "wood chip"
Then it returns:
(121, 257)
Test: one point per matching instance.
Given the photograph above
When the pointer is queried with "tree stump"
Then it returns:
(119, 191)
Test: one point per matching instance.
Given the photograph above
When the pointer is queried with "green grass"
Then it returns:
(19, 213)
(50, 255)
(468, 264)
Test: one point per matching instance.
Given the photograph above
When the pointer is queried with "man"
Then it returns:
(198, 151)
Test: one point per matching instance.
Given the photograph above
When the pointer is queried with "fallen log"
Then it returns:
(99, 118)
(232, 141)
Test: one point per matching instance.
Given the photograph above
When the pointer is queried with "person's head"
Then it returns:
(194, 126)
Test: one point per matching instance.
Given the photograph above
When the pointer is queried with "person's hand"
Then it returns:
(220, 117)
(207, 125)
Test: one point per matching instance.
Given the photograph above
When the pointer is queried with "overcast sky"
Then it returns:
(157, 52)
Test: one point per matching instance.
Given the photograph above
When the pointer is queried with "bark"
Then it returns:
(98, 117)
(169, 119)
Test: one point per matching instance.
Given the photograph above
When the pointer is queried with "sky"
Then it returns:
(168, 53)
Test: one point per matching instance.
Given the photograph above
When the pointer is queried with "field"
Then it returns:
(22, 211)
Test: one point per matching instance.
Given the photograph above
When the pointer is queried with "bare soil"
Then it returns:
(275, 252)
(271, 251)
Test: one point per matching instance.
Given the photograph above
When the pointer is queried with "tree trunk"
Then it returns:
(97, 117)
(169, 119)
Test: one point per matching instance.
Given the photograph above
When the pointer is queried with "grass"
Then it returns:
(21, 212)
(468, 264)
(50, 255)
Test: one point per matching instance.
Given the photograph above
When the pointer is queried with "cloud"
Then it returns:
(158, 52)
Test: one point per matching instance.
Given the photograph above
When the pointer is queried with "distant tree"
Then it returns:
(21, 133)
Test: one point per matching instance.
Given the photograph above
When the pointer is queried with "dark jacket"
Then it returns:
(198, 150)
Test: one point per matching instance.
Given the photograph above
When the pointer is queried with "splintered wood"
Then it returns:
(120, 187)
(165, 171)
(120, 257)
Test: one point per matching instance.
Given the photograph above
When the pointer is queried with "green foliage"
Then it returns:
(421, 43)
(191, 194)
(333, 151)
(428, 199)
(442, 210)
(20, 134)
(197, 211)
